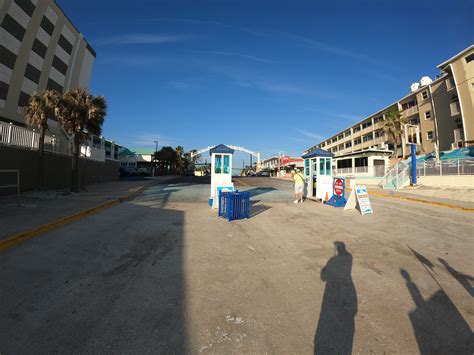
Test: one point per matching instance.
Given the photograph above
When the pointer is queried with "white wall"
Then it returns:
(466, 181)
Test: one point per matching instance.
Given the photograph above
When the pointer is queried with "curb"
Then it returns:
(433, 203)
(18, 238)
(413, 199)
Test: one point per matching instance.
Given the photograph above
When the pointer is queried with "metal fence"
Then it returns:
(446, 167)
(372, 171)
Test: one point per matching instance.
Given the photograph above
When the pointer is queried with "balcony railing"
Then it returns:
(410, 111)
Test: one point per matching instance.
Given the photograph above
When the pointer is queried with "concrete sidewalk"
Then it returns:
(39, 208)
(458, 198)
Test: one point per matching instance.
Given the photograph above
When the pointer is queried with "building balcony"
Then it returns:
(410, 111)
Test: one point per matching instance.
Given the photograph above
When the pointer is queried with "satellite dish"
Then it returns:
(414, 87)
(425, 80)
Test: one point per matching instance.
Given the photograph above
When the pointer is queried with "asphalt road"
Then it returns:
(164, 274)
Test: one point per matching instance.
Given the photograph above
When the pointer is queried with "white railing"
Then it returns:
(17, 136)
(446, 167)
(92, 153)
(397, 177)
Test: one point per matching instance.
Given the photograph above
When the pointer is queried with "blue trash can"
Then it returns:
(234, 205)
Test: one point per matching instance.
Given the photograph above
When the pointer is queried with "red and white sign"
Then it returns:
(338, 187)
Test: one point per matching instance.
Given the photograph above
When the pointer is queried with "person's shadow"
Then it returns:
(335, 330)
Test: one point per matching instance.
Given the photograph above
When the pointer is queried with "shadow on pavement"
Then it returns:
(107, 284)
(439, 327)
(463, 279)
(335, 330)
(256, 209)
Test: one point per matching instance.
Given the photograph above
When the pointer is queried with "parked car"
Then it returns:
(128, 171)
(144, 171)
(263, 173)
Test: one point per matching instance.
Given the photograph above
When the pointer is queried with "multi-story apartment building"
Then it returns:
(443, 109)
(39, 49)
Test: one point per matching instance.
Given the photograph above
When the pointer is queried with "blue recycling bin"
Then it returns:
(234, 205)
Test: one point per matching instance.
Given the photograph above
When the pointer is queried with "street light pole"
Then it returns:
(154, 157)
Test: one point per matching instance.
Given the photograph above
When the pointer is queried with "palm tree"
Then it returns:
(393, 125)
(40, 107)
(81, 115)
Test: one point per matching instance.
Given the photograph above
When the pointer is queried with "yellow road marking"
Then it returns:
(29, 234)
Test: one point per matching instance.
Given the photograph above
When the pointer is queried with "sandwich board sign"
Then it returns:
(359, 197)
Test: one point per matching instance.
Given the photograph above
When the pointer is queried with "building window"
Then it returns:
(47, 25)
(454, 107)
(59, 65)
(64, 44)
(357, 141)
(3, 90)
(368, 138)
(23, 100)
(39, 48)
(356, 129)
(341, 146)
(469, 58)
(366, 124)
(27, 6)
(32, 73)
(334, 140)
(427, 115)
(424, 95)
(52, 85)
(429, 135)
(348, 144)
(450, 83)
(347, 133)
(409, 104)
(378, 134)
(7, 58)
(341, 136)
(378, 119)
(13, 27)
(306, 167)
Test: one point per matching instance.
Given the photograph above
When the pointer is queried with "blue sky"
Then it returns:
(273, 76)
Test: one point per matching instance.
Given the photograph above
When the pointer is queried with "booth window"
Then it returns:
(226, 164)
(328, 166)
(218, 165)
(321, 166)
(306, 167)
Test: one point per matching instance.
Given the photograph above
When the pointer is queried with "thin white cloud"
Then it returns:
(233, 54)
(324, 47)
(308, 134)
(140, 38)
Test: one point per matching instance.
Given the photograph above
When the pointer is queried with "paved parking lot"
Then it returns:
(163, 273)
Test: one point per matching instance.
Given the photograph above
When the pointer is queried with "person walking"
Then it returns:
(299, 180)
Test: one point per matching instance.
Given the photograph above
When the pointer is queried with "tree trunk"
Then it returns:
(41, 158)
(75, 165)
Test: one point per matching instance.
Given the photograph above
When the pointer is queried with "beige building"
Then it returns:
(39, 49)
(442, 108)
